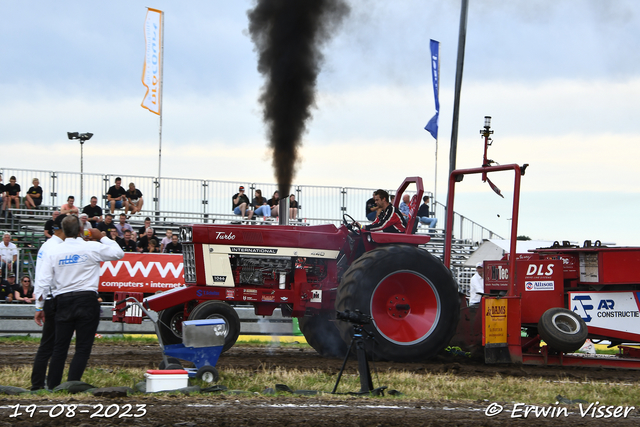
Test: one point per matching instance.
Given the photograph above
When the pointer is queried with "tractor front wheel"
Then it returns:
(562, 329)
(219, 310)
(322, 333)
(411, 297)
(170, 324)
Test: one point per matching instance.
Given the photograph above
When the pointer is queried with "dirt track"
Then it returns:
(238, 411)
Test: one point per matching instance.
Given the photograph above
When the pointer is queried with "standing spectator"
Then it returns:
(45, 313)
(13, 193)
(241, 204)
(134, 197)
(69, 208)
(8, 255)
(49, 225)
(261, 206)
(76, 287)
(476, 286)
(143, 241)
(372, 209)
(117, 196)
(423, 214)
(166, 240)
(123, 225)
(33, 199)
(126, 243)
(174, 247)
(274, 204)
(293, 207)
(24, 292)
(86, 226)
(93, 211)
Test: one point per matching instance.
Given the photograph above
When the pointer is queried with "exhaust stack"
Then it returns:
(283, 211)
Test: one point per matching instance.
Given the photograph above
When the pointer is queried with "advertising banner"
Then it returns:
(152, 70)
(148, 273)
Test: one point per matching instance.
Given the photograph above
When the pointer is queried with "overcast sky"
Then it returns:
(560, 78)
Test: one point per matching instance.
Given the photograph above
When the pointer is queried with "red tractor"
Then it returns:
(309, 272)
(561, 295)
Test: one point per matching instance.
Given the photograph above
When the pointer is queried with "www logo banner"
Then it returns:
(73, 259)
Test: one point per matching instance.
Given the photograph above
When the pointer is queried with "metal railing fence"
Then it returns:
(205, 199)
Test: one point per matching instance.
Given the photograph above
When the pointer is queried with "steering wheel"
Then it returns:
(351, 224)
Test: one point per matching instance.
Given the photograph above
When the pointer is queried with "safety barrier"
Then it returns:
(201, 199)
(17, 319)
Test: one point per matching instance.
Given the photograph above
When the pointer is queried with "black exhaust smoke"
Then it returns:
(288, 35)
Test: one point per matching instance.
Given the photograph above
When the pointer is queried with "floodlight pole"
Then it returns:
(81, 170)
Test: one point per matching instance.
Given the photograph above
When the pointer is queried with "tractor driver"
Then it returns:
(389, 219)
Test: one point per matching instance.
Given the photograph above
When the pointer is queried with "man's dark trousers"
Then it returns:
(79, 312)
(45, 350)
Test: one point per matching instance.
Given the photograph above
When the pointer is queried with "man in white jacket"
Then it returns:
(45, 310)
(476, 286)
(72, 269)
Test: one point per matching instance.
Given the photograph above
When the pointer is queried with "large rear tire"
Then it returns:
(171, 324)
(562, 329)
(219, 310)
(411, 297)
(322, 333)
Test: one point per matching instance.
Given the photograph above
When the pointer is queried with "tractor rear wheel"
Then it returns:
(170, 324)
(411, 297)
(562, 329)
(219, 310)
(322, 333)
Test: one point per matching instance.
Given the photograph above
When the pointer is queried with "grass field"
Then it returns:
(429, 386)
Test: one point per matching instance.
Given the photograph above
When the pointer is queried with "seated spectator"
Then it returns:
(372, 209)
(113, 234)
(48, 226)
(6, 291)
(143, 241)
(134, 197)
(174, 247)
(86, 226)
(142, 230)
(392, 197)
(274, 204)
(423, 214)
(8, 255)
(293, 207)
(106, 225)
(2, 186)
(405, 205)
(68, 208)
(12, 191)
(123, 225)
(93, 211)
(261, 206)
(117, 196)
(166, 240)
(11, 279)
(24, 292)
(241, 204)
(153, 246)
(126, 243)
(33, 199)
